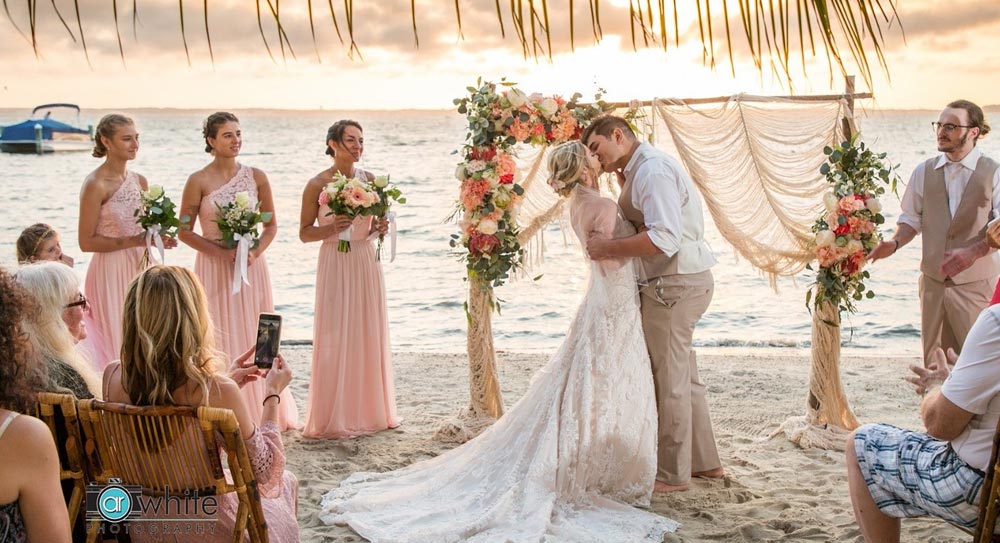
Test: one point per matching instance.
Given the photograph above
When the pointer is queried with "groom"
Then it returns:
(661, 201)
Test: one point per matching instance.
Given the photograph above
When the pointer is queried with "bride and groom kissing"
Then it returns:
(579, 454)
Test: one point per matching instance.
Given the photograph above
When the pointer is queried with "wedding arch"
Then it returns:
(756, 161)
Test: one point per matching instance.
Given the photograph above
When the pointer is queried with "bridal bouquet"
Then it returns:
(238, 222)
(350, 197)
(157, 215)
(848, 229)
(387, 194)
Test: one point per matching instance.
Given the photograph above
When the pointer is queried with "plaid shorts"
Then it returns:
(912, 475)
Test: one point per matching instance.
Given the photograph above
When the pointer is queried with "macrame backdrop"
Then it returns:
(756, 162)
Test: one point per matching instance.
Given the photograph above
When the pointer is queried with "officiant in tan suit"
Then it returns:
(949, 200)
(662, 202)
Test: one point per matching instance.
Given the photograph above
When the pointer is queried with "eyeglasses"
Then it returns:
(948, 127)
(82, 302)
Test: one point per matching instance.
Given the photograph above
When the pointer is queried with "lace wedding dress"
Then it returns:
(566, 463)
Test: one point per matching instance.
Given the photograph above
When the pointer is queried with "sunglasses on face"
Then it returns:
(81, 302)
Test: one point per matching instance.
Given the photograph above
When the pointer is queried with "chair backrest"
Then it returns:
(173, 449)
(988, 498)
(58, 411)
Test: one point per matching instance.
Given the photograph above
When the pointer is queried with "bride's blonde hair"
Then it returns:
(566, 165)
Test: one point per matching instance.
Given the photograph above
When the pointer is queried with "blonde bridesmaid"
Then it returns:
(351, 390)
(108, 228)
(234, 315)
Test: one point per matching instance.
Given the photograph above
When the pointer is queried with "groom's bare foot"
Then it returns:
(716, 473)
(660, 486)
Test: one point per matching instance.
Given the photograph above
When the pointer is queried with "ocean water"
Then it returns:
(425, 285)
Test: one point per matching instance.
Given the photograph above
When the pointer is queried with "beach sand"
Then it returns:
(773, 490)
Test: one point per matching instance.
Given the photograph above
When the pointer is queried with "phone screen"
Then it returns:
(268, 340)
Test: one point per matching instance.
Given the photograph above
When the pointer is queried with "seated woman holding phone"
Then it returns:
(169, 358)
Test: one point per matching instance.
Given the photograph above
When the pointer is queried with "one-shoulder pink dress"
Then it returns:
(351, 390)
(109, 274)
(235, 315)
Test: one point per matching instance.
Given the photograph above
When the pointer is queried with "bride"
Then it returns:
(572, 457)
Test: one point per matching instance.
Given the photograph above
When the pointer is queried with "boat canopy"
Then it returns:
(51, 106)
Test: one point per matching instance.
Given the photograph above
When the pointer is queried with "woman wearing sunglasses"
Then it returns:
(57, 325)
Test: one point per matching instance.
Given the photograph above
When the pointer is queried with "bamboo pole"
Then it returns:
(828, 418)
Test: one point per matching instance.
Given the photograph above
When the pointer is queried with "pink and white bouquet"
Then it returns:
(350, 197)
(847, 231)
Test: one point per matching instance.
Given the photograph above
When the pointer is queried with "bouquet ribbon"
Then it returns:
(345, 234)
(240, 266)
(391, 217)
(153, 237)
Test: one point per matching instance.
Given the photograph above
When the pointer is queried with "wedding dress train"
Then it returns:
(567, 463)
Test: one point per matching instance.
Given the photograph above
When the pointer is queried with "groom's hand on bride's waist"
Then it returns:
(598, 246)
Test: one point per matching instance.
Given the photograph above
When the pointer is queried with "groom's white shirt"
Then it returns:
(671, 206)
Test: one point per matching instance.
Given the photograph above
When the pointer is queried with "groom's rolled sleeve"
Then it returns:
(659, 193)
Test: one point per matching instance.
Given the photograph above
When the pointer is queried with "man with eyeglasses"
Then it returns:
(949, 200)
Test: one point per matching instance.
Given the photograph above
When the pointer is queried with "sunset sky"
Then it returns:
(950, 51)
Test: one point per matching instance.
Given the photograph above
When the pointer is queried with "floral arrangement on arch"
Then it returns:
(500, 117)
(849, 228)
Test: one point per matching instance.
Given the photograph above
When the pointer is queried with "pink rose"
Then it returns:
(324, 198)
(483, 244)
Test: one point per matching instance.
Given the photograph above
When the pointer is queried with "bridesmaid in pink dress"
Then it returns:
(351, 390)
(234, 315)
(108, 228)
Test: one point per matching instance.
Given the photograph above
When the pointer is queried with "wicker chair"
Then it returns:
(989, 498)
(172, 448)
(58, 411)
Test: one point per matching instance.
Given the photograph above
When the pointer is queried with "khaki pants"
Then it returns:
(671, 307)
(948, 311)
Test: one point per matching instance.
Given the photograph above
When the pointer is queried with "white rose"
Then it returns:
(243, 199)
(460, 172)
(548, 106)
(154, 192)
(492, 177)
(516, 98)
(487, 227)
(476, 166)
(825, 238)
(874, 205)
(381, 181)
(831, 202)
(854, 246)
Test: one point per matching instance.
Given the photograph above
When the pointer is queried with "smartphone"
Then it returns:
(268, 340)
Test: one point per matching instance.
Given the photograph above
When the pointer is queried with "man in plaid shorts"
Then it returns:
(895, 473)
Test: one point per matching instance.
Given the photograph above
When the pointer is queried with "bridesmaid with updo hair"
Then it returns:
(108, 228)
(233, 315)
(351, 390)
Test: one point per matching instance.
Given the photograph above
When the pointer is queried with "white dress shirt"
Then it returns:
(671, 207)
(956, 178)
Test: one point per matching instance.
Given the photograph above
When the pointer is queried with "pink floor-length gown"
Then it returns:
(351, 390)
(235, 315)
(109, 274)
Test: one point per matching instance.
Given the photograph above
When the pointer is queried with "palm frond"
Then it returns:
(208, 35)
(848, 31)
(63, 21)
(180, 6)
(118, 34)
